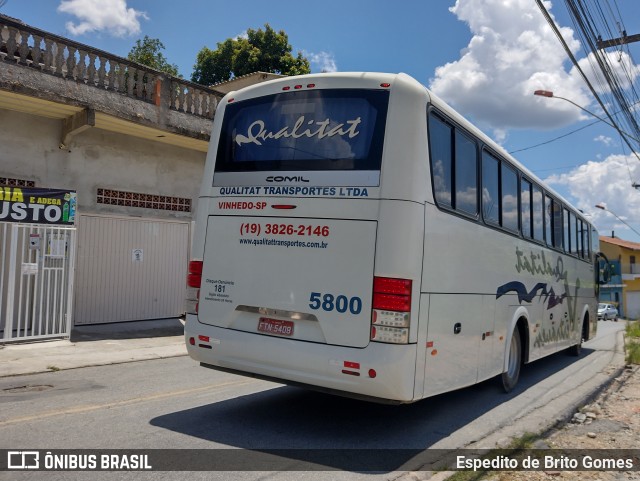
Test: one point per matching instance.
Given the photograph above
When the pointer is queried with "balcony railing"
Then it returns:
(50, 54)
(628, 270)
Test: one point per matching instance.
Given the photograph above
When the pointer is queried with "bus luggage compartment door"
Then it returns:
(295, 278)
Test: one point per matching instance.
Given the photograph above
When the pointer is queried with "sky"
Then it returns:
(484, 57)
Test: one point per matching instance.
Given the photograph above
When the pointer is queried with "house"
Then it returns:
(624, 287)
(128, 143)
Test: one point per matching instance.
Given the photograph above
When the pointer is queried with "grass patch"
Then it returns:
(53, 368)
(633, 342)
(512, 450)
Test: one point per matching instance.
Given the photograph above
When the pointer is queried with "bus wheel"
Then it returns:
(577, 348)
(511, 375)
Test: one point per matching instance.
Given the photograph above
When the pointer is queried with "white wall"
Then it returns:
(97, 159)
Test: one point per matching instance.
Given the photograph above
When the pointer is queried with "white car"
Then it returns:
(607, 311)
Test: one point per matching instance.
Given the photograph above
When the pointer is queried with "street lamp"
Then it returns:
(625, 135)
(547, 93)
(603, 207)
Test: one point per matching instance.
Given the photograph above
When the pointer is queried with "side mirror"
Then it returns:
(603, 271)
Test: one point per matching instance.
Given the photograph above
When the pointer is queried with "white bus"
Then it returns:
(355, 235)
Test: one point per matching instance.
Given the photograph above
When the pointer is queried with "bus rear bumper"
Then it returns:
(378, 372)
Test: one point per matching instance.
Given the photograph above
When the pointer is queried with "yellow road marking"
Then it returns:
(125, 402)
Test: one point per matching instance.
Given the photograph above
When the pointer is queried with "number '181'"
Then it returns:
(340, 303)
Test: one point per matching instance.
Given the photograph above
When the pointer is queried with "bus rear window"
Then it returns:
(323, 130)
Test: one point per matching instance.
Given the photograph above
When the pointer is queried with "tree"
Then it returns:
(148, 52)
(260, 51)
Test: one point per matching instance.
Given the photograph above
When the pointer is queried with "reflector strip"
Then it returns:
(283, 206)
(195, 267)
(194, 276)
(389, 285)
(389, 302)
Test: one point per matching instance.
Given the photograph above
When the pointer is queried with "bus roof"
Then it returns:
(374, 80)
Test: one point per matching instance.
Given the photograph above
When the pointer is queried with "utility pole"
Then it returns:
(614, 42)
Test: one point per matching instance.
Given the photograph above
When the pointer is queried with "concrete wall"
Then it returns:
(97, 159)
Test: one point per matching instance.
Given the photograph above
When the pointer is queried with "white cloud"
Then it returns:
(604, 139)
(111, 16)
(322, 61)
(244, 34)
(622, 68)
(608, 183)
(512, 53)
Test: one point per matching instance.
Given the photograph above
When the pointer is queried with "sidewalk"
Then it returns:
(96, 345)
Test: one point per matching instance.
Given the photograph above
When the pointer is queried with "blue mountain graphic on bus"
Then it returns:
(540, 288)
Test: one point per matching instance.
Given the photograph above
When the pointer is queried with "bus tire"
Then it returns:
(510, 376)
(576, 349)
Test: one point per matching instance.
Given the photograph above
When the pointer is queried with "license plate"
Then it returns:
(275, 326)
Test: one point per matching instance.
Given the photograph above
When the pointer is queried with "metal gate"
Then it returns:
(130, 269)
(36, 281)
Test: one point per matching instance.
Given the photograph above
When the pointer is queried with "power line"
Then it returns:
(616, 81)
(573, 59)
(556, 138)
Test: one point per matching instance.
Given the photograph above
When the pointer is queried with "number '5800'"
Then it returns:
(340, 303)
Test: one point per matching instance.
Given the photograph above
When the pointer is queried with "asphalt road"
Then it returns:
(175, 404)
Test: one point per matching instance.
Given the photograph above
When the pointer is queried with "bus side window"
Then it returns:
(584, 240)
(538, 214)
(441, 160)
(466, 175)
(580, 238)
(573, 235)
(557, 225)
(567, 235)
(548, 220)
(490, 195)
(509, 204)
(525, 208)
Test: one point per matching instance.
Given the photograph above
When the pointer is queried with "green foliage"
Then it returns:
(260, 51)
(515, 450)
(633, 342)
(633, 329)
(148, 51)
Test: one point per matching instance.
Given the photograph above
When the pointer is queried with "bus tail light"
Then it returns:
(391, 316)
(194, 279)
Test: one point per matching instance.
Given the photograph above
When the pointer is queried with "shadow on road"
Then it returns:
(308, 425)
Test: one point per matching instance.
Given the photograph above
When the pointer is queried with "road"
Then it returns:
(175, 404)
